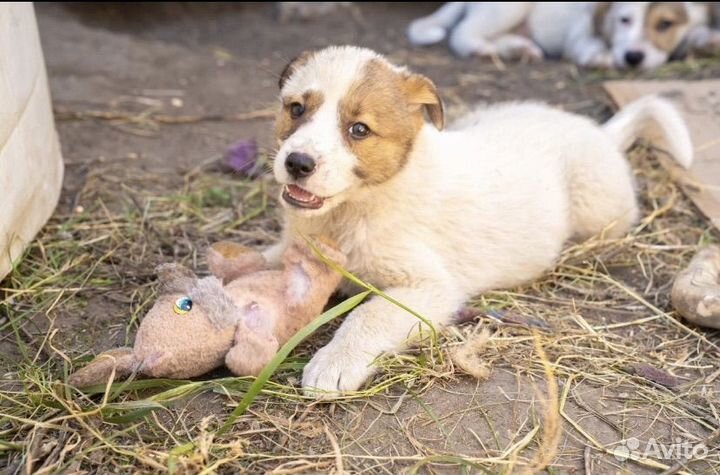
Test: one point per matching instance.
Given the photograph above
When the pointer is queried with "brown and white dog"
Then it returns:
(434, 217)
(593, 34)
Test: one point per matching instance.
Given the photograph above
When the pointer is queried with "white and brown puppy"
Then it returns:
(593, 34)
(433, 217)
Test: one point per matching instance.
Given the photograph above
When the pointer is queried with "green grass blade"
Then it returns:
(136, 385)
(5, 445)
(130, 416)
(129, 411)
(270, 368)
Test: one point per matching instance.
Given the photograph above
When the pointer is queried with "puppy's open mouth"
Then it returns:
(301, 198)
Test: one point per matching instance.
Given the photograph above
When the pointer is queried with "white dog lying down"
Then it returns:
(594, 34)
(434, 217)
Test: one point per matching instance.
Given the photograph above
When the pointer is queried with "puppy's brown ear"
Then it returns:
(421, 91)
(292, 66)
(599, 14)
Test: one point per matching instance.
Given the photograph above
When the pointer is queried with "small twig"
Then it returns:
(336, 449)
(144, 117)
(588, 460)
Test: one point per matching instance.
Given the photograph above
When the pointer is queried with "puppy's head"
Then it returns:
(348, 119)
(641, 34)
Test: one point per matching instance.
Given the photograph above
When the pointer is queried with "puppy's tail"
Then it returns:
(629, 122)
(433, 28)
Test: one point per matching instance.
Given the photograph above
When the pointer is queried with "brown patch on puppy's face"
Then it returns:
(599, 13)
(642, 34)
(665, 24)
(288, 120)
(348, 119)
(380, 116)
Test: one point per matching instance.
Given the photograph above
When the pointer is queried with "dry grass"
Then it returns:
(469, 356)
(606, 307)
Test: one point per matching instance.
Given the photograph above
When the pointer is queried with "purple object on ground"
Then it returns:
(242, 156)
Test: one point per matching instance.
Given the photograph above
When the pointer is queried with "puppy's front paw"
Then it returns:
(422, 33)
(484, 51)
(529, 52)
(602, 60)
(334, 369)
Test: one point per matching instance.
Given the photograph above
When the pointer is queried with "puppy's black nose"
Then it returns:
(299, 165)
(634, 58)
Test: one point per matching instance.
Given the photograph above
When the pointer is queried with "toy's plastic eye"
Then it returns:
(182, 305)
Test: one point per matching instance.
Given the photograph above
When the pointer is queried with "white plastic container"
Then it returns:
(31, 167)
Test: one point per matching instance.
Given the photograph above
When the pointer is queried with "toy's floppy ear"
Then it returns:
(228, 260)
(98, 371)
(175, 277)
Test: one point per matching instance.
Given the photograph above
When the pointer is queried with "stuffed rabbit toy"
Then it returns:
(239, 316)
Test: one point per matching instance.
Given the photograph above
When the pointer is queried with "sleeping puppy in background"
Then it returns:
(434, 217)
(593, 34)
(288, 12)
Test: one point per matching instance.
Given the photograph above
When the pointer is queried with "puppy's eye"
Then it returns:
(625, 20)
(359, 130)
(183, 305)
(664, 25)
(296, 110)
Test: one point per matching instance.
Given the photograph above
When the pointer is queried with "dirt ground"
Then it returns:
(140, 190)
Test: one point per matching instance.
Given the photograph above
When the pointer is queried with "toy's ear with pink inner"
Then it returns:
(99, 370)
(175, 278)
(229, 260)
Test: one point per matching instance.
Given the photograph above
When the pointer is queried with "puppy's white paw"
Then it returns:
(334, 370)
(422, 33)
(485, 51)
(529, 52)
(602, 60)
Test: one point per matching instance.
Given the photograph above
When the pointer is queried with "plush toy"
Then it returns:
(239, 316)
(696, 290)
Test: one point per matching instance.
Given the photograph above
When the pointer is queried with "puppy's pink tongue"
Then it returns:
(297, 196)
(300, 194)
